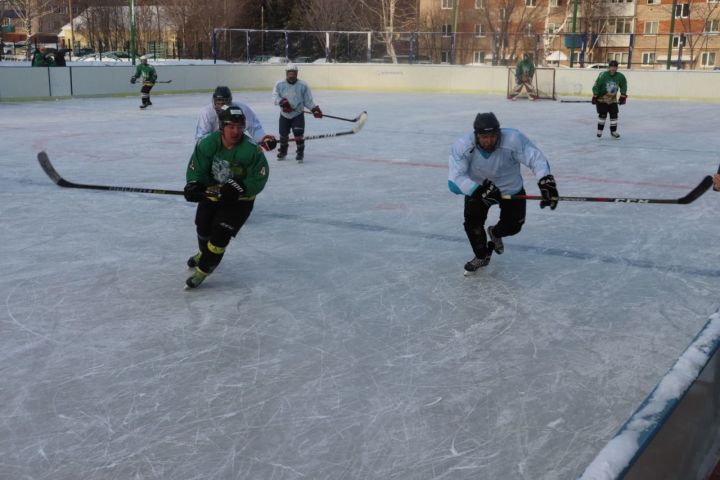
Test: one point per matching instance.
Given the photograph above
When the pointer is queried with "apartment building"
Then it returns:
(638, 33)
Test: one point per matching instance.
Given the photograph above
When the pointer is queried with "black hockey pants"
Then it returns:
(512, 218)
(216, 224)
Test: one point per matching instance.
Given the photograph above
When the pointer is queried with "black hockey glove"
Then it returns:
(231, 191)
(317, 113)
(194, 192)
(285, 105)
(487, 193)
(549, 192)
(623, 99)
(133, 79)
(268, 142)
(594, 100)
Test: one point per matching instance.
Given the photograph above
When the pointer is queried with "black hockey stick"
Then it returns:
(353, 120)
(358, 126)
(694, 194)
(163, 81)
(60, 181)
(575, 101)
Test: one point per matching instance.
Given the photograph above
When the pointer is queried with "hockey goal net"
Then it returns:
(543, 81)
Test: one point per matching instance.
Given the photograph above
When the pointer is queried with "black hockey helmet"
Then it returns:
(229, 114)
(486, 123)
(222, 93)
(613, 63)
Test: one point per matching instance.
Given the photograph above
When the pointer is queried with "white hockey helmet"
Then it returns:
(143, 57)
(291, 67)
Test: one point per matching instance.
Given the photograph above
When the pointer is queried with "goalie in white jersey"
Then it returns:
(483, 166)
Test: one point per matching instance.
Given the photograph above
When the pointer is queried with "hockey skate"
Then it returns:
(599, 133)
(282, 153)
(615, 134)
(495, 242)
(300, 157)
(476, 264)
(194, 261)
(195, 279)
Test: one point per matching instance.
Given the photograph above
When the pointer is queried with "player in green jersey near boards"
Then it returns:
(226, 171)
(149, 77)
(605, 90)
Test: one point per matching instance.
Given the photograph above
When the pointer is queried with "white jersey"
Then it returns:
(209, 122)
(298, 94)
(469, 165)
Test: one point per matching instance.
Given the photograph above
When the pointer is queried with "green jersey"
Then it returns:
(607, 87)
(524, 70)
(212, 164)
(146, 72)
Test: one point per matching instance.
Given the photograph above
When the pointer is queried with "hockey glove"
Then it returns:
(285, 105)
(231, 191)
(549, 192)
(623, 99)
(487, 193)
(594, 100)
(268, 142)
(194, 192)
(317, 113)
(133, 79)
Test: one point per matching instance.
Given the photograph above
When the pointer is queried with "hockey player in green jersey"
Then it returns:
(149, 77)
(524, 73)
(226, 171)
(605, 90)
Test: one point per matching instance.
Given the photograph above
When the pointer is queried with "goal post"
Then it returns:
(543, 81)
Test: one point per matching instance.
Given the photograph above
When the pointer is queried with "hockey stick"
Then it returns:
(358, 126)
(342, 118)
(694, 194)
(60, 181)
(163, 81)
(575, 101)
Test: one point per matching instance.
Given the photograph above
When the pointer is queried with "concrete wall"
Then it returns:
(17, 83)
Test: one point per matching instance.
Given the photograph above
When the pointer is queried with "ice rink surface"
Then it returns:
(339, 339)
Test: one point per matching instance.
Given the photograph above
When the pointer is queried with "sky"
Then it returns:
(339, 338)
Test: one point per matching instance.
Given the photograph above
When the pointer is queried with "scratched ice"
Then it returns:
(339, 338)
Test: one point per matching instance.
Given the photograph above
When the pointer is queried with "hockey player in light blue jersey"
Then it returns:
(208, 121)
(293, 96)
(484, 166)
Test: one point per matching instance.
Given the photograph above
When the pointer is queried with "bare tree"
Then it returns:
(29, 12)
(386, 18)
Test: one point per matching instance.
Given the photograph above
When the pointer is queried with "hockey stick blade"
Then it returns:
(694, 194)
(60, 181)
(358, 126)
(164, 81)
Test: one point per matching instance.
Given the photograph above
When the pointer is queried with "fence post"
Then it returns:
(631, 47)
(287, 45)
(680, 49)
(369, 46)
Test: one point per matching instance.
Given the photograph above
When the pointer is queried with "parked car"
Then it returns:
(277, 60)
(597, 65)
(260, 58)
(302, 60)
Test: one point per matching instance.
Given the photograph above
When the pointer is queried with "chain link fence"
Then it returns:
(657, 51)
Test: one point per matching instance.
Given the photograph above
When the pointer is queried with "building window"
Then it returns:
(619, 25)
(558, 3)
(651, 28)
(552, 28)
(446, 4)
(678, 40)
(653, 2)
(478, 30)
(478, 57)
(621, 1)
(707, 59)
(682, 10)
(530, 3)
(621, 58)
(446, 30)
(648, 58)
(445, 56)
(481, 4)
(529, 29)
(712, 26)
